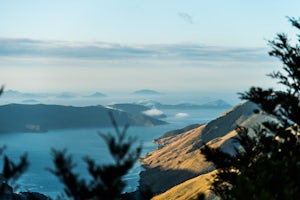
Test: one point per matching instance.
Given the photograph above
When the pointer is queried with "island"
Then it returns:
(41, 117)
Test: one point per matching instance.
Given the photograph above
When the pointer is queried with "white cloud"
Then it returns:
(153, 112)
(117, 52)
(35, 65)
(181, 115)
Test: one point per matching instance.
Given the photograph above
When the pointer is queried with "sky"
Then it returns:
(165, 45)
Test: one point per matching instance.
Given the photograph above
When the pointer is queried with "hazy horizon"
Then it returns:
(77, 98)
(170, 46)
(166, 68)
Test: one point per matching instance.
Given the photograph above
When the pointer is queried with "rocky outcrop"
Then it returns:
(179, 166)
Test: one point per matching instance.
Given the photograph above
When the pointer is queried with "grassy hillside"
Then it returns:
(179, 170)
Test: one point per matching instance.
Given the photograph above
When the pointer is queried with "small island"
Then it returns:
(146, 92)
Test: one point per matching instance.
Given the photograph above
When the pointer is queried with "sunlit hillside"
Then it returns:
(178, 170)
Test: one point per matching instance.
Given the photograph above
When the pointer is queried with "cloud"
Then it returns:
(181, 115)
(113, 51)
(28, 47)
(186, 17)
(153, 112)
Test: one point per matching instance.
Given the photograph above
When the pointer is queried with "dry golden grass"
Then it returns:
(189, 189)
(174, 170)
(179, 154)
(175, 163)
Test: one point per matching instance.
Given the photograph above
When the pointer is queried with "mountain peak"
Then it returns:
(96, 95)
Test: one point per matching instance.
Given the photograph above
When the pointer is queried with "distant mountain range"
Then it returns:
(32, 98)
(17, 94)
(213, 104)
(40, 117)
(13, 94)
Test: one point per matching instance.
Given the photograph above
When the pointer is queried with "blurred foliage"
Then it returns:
(267, 165)
(107, 181)
(11, 171)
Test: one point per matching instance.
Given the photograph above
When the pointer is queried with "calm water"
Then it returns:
(82, 142)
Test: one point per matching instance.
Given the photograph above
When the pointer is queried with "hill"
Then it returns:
(160, 140)
(66, 95)
(40, 117)
(128, 107)
(179, 165)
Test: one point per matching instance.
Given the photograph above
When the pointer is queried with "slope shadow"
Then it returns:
(157, 180)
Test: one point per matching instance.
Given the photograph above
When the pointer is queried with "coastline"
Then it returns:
(179, 163)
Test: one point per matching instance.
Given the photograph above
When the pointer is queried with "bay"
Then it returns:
(86, 142)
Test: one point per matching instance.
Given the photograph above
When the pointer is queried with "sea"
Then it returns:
(87, 142)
